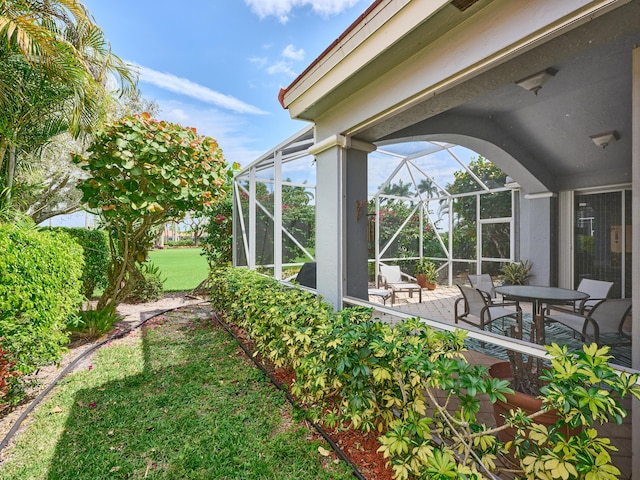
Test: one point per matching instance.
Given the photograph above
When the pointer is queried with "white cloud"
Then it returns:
(291, 52)
(191, 89)
(282, 8)
(259, 61)
(177, 115)
(285, 65)
(281, 67)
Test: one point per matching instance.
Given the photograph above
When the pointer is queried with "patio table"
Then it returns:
(405, 287)
(539, 296)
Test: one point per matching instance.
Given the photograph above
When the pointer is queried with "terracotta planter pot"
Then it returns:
(431, 286)
(421, 279)
(528, 403)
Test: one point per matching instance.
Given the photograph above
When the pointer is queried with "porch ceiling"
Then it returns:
(548, 133)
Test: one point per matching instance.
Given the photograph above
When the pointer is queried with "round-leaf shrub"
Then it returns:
(39, 288)
(95, 244)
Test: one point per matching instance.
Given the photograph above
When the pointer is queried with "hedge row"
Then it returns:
(39, 289)
(356, 371)
(412, 384)
(95, 248)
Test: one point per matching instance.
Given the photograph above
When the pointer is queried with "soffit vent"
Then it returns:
(462, 5)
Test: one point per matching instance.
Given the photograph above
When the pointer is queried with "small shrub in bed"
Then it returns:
(93, 323)
(7, 374)
(149, 286)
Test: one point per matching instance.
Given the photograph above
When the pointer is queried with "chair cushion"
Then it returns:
(575, 322)
(499, 312)
(391, 273)
(483, 283)
(596, 289)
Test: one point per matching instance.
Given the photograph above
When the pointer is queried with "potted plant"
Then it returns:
(516, 273)
(426, 273)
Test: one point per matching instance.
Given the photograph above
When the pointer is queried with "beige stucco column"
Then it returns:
(341, 217)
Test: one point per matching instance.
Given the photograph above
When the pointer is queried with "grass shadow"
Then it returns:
(177, 400)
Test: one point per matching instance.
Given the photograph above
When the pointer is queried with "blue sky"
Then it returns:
(218, 65)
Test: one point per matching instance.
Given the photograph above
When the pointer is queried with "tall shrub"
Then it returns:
(95, 246)
(144, 173)
(39, 288)
(217, 246)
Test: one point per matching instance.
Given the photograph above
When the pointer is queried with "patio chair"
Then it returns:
(307, 275)
(479, 311)
(484, 283)
(391, 277)
(596, 289)
(606, 317)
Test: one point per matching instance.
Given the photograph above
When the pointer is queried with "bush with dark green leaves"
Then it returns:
(149, 286)
(95, 244)
(39, 289)
(217, 245)
(93, 323)
(187, 242)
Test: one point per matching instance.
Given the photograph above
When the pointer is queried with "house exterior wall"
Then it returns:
(537, 236)
(366, 96)
(341, 222)
(635, 265)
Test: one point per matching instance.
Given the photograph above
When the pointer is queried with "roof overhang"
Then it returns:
(368, 42)
(422, 69)
(391, 32)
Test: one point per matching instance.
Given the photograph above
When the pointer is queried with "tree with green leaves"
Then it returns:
(496, 240)
(55, 67)
(28, 27)
(46, 179)
(399, 189)
(217, 246)
(143, 173)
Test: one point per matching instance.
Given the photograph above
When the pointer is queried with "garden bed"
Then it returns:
(359, 446)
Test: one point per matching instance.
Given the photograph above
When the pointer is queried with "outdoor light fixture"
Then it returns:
(604, 139)
(534, 82)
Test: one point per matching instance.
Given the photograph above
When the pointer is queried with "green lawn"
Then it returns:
(174, 400)
(182, 268)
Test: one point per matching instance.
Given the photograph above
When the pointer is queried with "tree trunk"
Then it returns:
(123, 272)
(12, 168)
(160, 238)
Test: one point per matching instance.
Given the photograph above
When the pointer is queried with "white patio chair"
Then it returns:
(479, 311)
(391, 277)
(606, 317)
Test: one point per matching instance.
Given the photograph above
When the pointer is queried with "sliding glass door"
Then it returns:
(603, 239)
